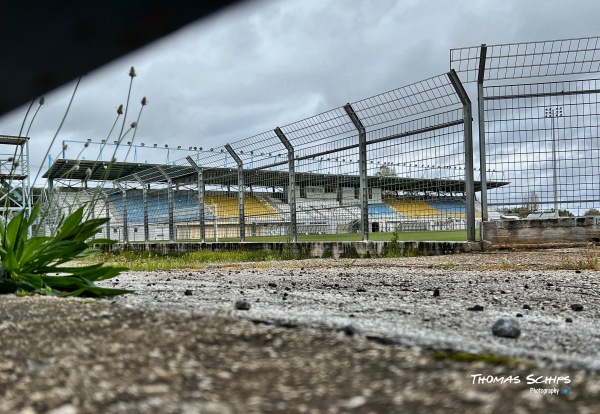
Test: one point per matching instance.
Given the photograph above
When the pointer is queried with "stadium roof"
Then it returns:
(64, 169)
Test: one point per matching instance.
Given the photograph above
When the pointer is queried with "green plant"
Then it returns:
(351, 253)
(587, 260)
(485, 358)
(393, 249)
(35, 264)
(446, 265)
(348, 265)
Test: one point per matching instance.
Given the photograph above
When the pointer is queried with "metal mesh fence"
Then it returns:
(538, 124)
(391, 162)
(528, 60)
(544, 140)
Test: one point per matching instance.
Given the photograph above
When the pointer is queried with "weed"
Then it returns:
(587, 260)
(35, 264)
(393, 248)
(351, 253)
(487, 358)
(410, 252)
(348, 265)
(446, 265)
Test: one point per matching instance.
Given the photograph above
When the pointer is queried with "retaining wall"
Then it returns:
(549, 232)
(313, 249)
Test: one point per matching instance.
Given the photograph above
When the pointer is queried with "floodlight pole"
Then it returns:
(201, 187)
(240, 166)
(469, 175)
(554, 113)
(481, 120)
(292, 184)
(169, 203)
(362, 164)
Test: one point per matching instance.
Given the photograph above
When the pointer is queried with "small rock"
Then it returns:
(549, 284)
(349, 330)
(168, 279)
(242, 305)
(361, 289)
(506, 327)
(569, 320)
(436, 293)
(527, 307)
(187, 292)
(519, 315)
(526, 286)
(578, 271)
(475, 308)
(272, 284)
(577, 307)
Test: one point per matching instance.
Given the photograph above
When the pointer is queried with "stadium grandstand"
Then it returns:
(169, 208)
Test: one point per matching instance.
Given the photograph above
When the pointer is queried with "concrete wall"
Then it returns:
(335, 250)
(541, 232)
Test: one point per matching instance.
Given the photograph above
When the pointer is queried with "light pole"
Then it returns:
(554, 112)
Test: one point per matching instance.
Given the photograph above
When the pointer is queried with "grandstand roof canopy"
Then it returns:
(63, 169)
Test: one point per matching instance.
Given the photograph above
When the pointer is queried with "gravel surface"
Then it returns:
(315, 336)
(394, 301)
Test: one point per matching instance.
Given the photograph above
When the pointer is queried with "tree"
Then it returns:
(592, 212)
(565, 213)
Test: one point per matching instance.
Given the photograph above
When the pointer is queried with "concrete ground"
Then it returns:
(373, 335)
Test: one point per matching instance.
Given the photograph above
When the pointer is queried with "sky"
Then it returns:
(262, 64)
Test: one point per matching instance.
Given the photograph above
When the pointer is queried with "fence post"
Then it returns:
(292, 184)
(169, 203)
(481, 120)
(145, 207)
(469, 175)
(240, 166)
(124, 204)
(201, 187)
(362, 163)
(106, 201)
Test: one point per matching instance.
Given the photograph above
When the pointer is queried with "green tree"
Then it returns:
(565, 213)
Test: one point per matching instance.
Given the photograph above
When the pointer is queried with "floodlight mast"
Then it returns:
(554, 112)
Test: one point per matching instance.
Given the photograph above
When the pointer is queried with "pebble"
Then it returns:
(242, 305)
(569, 320)
(349, 330)
(527, 307)
(577, 307)
(506, 327)
(436, 292)
(475, 308)
(187, 292)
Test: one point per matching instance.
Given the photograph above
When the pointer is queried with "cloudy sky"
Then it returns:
(263, 64)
